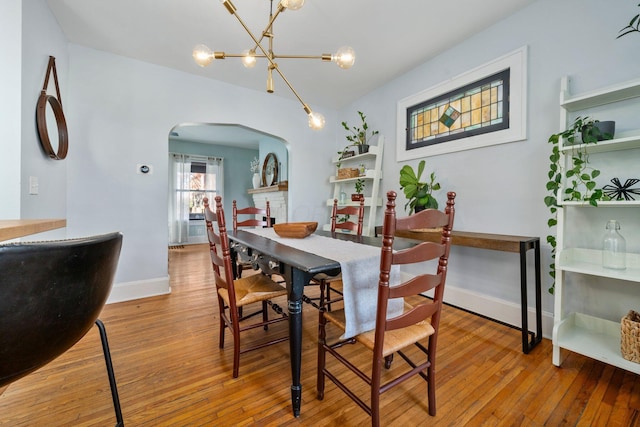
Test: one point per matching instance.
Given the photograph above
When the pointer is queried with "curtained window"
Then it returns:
(192, 178)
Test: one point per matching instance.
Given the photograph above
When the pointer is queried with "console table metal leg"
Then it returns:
(536, 337)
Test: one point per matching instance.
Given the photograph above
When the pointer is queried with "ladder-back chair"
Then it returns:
(234, 295)
(244, 259)
(417, 325)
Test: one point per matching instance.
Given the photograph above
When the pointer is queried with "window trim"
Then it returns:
(516, 62)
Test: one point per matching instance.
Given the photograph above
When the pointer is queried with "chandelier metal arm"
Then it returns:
(324, 57)
(344, 57)
(231, 8)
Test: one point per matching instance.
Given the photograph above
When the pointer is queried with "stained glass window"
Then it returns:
(477, 108)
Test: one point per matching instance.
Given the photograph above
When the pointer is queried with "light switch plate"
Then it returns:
(33, 185)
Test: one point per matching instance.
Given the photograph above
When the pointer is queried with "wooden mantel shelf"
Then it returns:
(14, 228)
(282, 186)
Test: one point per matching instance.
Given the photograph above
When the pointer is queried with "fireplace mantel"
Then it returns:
(277, 195)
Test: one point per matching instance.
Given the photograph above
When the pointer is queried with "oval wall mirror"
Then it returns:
(50, 120)
(270, 170)
(48, 104)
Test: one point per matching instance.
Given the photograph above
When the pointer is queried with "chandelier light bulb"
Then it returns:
(345, 57)
(292, 4)
(249, 58)
(316, 120)
(202, 55)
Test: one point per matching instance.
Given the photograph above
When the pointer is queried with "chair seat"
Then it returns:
(393, 340)
(254, 288)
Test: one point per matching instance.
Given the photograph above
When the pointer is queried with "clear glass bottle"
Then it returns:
(343, 198)
(614, 247)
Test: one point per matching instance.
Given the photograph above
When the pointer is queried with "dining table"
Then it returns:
(297, 261)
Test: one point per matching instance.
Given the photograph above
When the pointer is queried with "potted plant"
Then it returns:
(344, 154)
(579, 178)
(357, 196)
(419, 194)
(359, 135)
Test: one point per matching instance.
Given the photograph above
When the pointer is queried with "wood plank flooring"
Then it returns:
(170, 372)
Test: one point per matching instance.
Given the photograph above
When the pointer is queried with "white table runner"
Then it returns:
(360, 265)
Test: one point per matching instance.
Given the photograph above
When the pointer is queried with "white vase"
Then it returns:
(256, 180)
(269, 179)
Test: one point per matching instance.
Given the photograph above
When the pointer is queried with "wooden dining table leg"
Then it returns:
(296, 280)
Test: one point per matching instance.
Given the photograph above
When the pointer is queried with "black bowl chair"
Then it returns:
(51, 294)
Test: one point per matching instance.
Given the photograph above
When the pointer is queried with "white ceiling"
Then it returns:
(389, 37)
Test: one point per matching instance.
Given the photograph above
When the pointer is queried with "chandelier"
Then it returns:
(344, 57)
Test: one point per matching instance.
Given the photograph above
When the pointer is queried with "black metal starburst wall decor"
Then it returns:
(617, 191)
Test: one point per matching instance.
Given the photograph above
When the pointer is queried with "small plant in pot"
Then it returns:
(590, 130)
(357, 196)
(360, 136)
(419, 194)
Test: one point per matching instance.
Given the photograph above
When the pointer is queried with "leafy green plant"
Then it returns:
(633, 27)
(358, 135)
(419, 194)
(359, 185)
(341, 154)
(579, 175)
(343, 218)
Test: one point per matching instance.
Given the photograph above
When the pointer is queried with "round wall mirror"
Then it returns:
(270, 170)
(51, 122)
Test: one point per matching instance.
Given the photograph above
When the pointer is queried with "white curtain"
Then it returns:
(215, 179)
(184, 197)
(179, 174)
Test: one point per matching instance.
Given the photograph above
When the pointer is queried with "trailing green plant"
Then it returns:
(419, 194)
(341, 154)
(358, 135)
(579, 176)
(633, 27)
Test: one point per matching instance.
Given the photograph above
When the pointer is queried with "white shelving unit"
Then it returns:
(592, 336)
(372, 178)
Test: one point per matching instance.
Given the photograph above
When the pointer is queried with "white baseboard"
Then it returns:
(495, 308)
(139, 289)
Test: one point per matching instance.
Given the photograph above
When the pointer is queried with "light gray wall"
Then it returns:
(10, 120)
(120, 112)
(501, 188)
(41, 38)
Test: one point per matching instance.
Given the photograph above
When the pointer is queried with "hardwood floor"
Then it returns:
(170, 372)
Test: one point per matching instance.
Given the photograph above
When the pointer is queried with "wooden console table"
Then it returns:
(505, 243)
(14, 228)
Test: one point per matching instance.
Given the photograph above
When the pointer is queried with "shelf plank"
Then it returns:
(608, 95)
(14, 228)
(589, 261)
(371, 154)
(367, 202)
(595, 338)
(618, 144)
(602, 203)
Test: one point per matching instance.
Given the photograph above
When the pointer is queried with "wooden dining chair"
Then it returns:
(413, 327)
(244, 259)
(340, 220)
(234, 295)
